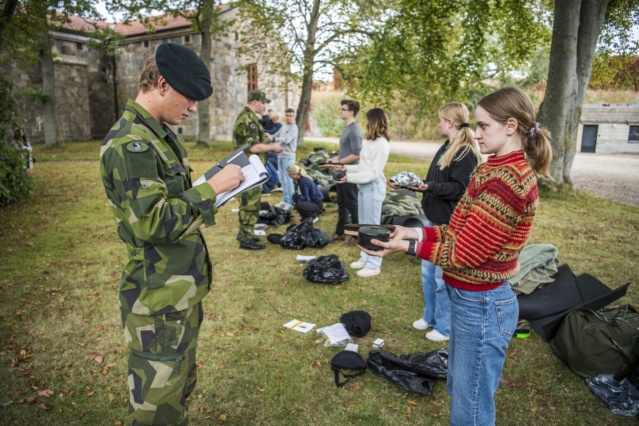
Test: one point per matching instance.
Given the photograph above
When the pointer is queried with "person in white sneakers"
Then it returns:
(445, 183)
(370, 180)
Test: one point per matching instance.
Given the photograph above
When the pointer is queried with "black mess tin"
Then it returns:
(368, 233)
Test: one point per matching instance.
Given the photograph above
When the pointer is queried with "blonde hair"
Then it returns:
(512, 102)
(376, 124)
(150, 76)
(464, 141)
(294, 168)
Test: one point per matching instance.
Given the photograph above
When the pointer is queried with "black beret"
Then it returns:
(184, 71)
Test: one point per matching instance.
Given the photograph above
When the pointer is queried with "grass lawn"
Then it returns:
(59, 277)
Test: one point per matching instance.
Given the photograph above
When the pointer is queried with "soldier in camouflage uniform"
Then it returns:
(146, 175)
(248, 130)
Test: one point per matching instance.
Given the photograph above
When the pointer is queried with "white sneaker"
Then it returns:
(420, 324)
(436, 336)
(358, 265)
(368, 272)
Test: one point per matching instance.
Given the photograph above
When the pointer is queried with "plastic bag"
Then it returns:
(304, 234)
(416, 372)
(275, 216)
(326, 269)
(621, 397)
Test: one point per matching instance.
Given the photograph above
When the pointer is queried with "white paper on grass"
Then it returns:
(301, 326)
(302, 258)
(336, 334)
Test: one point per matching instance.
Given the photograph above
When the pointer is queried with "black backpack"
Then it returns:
(602, 342)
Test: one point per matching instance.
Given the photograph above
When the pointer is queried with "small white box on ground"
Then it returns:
(352, 347)
(378, 343)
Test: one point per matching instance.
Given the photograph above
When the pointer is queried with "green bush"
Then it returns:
(15, 183)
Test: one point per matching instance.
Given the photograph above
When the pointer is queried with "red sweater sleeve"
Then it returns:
(480, 229)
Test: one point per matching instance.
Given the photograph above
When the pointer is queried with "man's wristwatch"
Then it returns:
(411, 248)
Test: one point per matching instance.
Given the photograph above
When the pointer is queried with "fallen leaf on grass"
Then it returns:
(222, 417)
(90, 393)
(111, 397)
(46, 393)
(98, 359)
(412, 402)
(43, 407)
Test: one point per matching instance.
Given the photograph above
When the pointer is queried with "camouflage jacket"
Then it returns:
(248, 129)
(146, 175)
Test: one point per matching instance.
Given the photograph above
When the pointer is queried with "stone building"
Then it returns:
(609, 129)
(92, 88)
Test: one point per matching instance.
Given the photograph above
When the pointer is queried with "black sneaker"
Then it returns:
(251, 245)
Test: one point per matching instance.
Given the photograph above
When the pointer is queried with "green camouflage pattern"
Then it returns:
(145, 172)
(248, 130)
(162, 371)
(250, 201)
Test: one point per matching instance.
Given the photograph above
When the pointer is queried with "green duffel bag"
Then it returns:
(602, 342)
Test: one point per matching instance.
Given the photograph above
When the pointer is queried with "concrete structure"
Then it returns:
(609, 129)
(92, 88)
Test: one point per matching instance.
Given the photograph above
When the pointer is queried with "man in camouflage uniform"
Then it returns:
(146, 175)
(248, 130)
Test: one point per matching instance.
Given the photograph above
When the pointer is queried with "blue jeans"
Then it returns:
(273, 180)
(437, 308)
(370, 197)
(288, 187)
(482, 324)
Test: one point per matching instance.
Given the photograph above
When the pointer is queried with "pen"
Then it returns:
(5, 404)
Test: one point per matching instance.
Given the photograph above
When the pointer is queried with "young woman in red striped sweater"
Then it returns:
(479, 249)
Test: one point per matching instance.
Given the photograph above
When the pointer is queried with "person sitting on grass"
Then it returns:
(309, 200)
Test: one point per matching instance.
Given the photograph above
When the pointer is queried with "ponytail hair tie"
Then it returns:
(461, 126)
(533, 130)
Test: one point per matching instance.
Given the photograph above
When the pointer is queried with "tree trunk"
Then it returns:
(48, 91)
(307, 77)
(203, 112)
(576, 28)
(5, 17)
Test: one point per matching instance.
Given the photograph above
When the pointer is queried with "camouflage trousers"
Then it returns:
(249, 211)
(162, 371)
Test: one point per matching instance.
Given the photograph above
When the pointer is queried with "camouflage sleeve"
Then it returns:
(151, 200)
(248, 132)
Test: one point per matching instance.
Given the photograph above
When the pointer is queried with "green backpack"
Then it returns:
(602, 342)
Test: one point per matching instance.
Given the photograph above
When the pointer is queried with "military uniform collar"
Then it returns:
(148, 119)
(251, 112)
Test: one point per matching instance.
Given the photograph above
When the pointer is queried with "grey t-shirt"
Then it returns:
(351, 141)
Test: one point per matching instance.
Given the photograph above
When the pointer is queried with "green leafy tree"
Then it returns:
(300, 39)
(204, 19)
(439, 51)
(578, 27)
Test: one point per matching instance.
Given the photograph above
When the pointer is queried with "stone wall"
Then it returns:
(82, 87)
(92, 88)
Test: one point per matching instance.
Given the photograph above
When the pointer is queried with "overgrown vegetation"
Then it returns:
(63, 358)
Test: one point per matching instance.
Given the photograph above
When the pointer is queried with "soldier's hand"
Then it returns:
(276, 147)
(226, 179)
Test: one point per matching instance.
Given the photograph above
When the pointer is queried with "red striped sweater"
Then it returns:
(479, 249)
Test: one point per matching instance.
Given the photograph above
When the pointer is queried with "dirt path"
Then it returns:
(613, 177)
